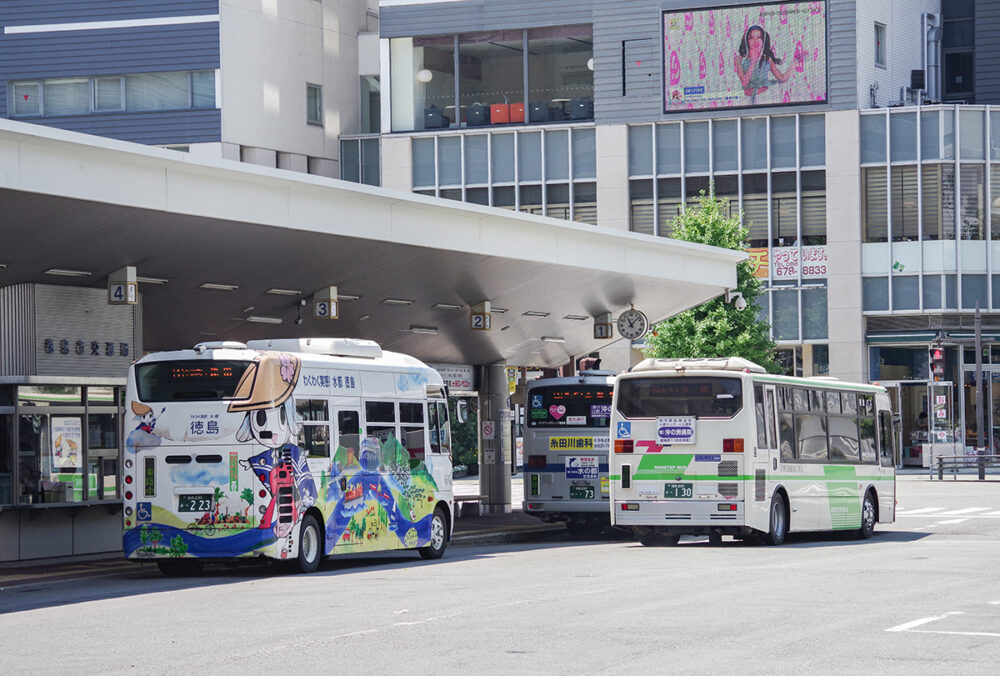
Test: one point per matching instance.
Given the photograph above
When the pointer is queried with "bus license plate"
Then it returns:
(677, 490)
(581, 492)
(194, 503)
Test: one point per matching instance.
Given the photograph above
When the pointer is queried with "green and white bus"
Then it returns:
(720, 447)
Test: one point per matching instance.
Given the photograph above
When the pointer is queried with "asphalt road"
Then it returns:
(922, 596)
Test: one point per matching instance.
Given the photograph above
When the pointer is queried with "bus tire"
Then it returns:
(659, 540)
(778, 522)
(310, 545)
(180, 567)
(867, 517)
(439, 537)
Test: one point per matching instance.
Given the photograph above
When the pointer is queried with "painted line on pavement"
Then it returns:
(967, 510)
(908, 626)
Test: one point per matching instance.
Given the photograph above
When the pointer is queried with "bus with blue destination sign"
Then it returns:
(289, 449)
(719, 447)
(566, 447)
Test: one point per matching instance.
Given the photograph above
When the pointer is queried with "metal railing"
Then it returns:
(953, 463)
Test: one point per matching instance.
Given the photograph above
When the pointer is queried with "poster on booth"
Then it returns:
(67, 442)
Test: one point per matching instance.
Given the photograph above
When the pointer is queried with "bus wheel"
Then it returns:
(310, 545)
(659, 540)
(180, 567)
(779, 522)
(867, 517)
(439, 537)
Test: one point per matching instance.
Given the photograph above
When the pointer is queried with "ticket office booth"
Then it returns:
(927, 420)
(59, 467)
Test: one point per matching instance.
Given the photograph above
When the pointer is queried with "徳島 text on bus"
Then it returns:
(289, 449)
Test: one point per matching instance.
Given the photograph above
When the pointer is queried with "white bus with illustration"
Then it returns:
(720, 447)
(566, 450)
(290, 449)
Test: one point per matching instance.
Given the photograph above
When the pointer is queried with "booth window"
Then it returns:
(61, 445)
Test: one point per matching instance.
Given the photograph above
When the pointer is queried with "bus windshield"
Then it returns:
(570, 405)
(702, 397)
(188, 380)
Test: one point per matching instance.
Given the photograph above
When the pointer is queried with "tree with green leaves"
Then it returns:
(716, 328)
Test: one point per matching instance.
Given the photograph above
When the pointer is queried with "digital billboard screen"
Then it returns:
(748, 55)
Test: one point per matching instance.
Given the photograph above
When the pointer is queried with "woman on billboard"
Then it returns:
(756, 63)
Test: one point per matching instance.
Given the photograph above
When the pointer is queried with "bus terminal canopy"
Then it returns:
(76, 202)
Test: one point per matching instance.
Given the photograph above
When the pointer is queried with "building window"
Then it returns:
(135, 92)
(880, 45)
(68, 444)
(314, 104)
(371, 104)
(359, 161)
(491, 69)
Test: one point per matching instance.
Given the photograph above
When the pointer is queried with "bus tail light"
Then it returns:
(732, 445)
(626, 476)
(537, 461)
(623, 445)
(630, 506)
(726, 507)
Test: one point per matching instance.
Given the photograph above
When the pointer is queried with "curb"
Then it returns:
(518, 534)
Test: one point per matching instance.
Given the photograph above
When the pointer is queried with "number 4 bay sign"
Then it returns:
(123, 288)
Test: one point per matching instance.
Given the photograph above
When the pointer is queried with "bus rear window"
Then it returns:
(696, 396)
(192, 380)
(570, 406)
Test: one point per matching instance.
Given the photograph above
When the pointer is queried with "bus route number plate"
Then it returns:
(194, 503)
(678, 490)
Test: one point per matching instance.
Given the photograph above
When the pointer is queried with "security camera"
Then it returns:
(298, 320)
(736, 298)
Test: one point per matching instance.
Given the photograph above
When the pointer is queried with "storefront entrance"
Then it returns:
(991, 407)
(927, 418)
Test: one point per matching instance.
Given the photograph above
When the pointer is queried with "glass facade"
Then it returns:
(930, 220)
(772, 171)
(135, 92)
(550, 171)
(537, 75)
(59, 444)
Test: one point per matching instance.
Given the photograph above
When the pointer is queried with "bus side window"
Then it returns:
(444, 428)
(349, 432)
(769, 415)
(432, 426)
(411, 427)
(885, 439)
(314, 432)
(758, 408)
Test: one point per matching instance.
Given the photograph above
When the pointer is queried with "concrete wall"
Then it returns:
(612, 176)
(42, 533)
(270, 51)
(904, 38)
(843, 232)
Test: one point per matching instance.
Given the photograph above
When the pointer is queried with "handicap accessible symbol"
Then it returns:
(624, 430)
(143, 511)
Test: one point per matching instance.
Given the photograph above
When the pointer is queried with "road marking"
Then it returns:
(967, 510)
(954, 633)
(908, 626)
(942, 523)
(922, 510)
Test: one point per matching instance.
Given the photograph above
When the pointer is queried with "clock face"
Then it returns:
(632, 324)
